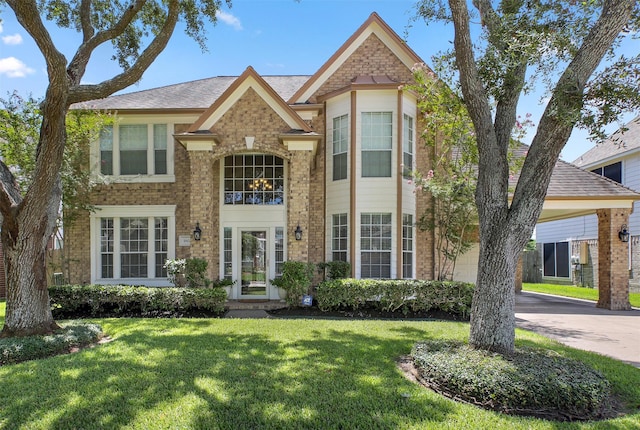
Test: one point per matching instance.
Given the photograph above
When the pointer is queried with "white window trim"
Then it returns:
(150, 211)
(116, 177)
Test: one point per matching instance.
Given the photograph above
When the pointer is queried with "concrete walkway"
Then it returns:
(579, 324)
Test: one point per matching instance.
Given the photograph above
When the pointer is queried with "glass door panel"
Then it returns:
(254, 264)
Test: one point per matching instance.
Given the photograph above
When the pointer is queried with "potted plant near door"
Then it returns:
(294, 281)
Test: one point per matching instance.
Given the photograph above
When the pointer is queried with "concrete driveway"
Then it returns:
(579, 324)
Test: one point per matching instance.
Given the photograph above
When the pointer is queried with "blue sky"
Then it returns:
(275, 37)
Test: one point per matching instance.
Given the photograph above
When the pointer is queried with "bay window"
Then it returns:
(377, 142)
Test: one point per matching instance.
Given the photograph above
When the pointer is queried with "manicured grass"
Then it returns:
(261, 374)
(575, 292)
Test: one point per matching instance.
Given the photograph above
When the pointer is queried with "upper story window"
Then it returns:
(611, 171)
(134, 149)
(253, 179)
(407, 146)
(377, 141)
(340, 147)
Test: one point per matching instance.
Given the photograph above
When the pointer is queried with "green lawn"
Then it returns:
(259, 374)
(576, 292)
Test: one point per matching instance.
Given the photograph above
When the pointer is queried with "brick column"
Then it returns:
(613, 260)
(298, 204)
(202, 208)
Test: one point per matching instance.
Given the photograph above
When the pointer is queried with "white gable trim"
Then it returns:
(250, 82)
(374, 28)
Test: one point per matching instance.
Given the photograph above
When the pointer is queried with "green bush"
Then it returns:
(121, 300)
(532, 382)
(393, 295)
(71, 335)
(335, 269)
(295, 280)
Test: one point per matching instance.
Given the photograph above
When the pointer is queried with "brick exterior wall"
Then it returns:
(372, 58)
(585, 275)
(77, 238)
(197, 173)
(613, 271)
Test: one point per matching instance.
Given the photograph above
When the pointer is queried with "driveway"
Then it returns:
(579, 324)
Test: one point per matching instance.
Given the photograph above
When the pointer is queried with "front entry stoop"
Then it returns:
(265, 305)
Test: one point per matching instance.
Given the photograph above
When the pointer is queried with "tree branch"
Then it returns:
(82, 93)
(85, 20)
(28, 16)
(91, 41)
(563, 109)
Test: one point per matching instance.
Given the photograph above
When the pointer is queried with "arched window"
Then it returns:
(253, 179)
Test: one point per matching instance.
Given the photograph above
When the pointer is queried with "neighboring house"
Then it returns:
(250, 171)
(569, 247)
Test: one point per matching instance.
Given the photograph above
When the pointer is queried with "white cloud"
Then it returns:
(15, 39)
(229, 19)
(14, 68)
(1, 27)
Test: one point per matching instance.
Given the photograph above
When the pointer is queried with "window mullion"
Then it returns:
(116, 150)
(150, 150)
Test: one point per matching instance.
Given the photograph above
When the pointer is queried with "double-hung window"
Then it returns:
(340, 147)
(375, 245)
(407, 146)
(407, 246)
(132, 242)
(134, 149)
(339, 237)
(377, 142)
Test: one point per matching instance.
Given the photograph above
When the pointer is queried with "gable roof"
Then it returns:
(373, 25)
(617, 145)
(249, 80)
(194, 95)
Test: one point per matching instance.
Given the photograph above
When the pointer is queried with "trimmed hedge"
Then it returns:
(393, 295)
(124, 300)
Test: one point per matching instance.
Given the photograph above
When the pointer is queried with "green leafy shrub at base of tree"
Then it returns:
(73, 334)
(531, 382)
(124, 300)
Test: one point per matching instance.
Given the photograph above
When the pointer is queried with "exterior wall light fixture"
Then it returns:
(197, 232)
(298, 232)
(624, 234)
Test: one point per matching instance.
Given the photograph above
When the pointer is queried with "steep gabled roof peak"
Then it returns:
(373, 25)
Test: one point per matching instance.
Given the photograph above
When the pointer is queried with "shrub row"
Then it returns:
(71, 335)
(121, 300)
(532, 382)
(393, 295)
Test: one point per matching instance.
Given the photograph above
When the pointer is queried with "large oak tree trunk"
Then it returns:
(492, 311)
(28, 308)
(27, 226)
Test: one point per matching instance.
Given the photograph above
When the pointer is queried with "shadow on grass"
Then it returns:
(203, 374)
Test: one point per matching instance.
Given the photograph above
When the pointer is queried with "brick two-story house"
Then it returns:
(267, 169)
(250, 171)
